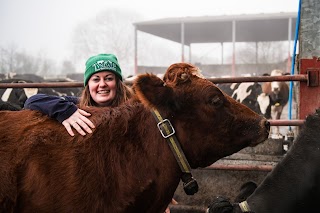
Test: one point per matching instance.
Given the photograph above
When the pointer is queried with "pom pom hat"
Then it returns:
(99, 63)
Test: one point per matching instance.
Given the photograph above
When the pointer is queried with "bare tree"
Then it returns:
(111, 31)
(13, 60)
(8, 58)
(68, 67)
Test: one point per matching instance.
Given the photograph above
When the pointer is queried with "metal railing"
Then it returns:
(214, 80)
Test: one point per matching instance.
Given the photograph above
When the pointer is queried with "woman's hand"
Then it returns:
(79, 121)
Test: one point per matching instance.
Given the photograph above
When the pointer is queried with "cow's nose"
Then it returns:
(267, 125)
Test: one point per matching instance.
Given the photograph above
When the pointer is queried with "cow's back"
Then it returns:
(48, 161)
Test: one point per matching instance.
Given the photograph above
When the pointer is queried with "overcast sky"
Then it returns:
(35, 25)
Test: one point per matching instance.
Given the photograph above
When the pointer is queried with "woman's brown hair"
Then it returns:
(123, 94)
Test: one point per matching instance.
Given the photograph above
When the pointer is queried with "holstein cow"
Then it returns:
(8, 106)
(18, 96)
(274, 97)
(245, 93)
(293, 186)
(125, 165)
(69, 91)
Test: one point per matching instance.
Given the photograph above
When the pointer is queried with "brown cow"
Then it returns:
(277, 95)
(125, 165)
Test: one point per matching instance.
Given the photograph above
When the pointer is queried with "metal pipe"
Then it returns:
(135, 50)
(233, 48)
(286, 122)
(242, 167)
(41, 85)
(214, 80)
(187, 208)
(182, 41)
(259, 79)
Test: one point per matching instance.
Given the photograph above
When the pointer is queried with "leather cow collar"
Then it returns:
(167, 131)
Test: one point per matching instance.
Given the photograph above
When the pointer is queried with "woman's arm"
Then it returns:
(59, 108)
(63, 109)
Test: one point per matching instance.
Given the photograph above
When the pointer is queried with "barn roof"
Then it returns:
(216, 29)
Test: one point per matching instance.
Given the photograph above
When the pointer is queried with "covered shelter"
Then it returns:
(220, 29)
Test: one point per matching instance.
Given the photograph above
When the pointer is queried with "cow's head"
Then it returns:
(276, 85)
(264, 101)
(209, 124)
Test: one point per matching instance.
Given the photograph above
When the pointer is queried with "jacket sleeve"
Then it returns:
(59, 108)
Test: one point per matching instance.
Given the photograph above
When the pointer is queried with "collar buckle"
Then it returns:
(166, 129)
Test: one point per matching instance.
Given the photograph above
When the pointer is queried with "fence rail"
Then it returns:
(259, 79)
(214, 80)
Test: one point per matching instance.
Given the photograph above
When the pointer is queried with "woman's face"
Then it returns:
(102, 87)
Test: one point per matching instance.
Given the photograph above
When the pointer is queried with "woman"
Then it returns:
(103, 87)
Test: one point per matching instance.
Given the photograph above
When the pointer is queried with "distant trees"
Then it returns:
(13, 60)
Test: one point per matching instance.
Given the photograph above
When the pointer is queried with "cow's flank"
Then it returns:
(125, 165)
(8, 106)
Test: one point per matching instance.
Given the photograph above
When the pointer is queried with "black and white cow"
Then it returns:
(267, 99)
(61, 91)
(8, 106)
(51, 91)
(246, 93)
(18, 96)
(274, 98)
(293, 186)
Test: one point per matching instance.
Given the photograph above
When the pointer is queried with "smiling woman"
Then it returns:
(103, 87)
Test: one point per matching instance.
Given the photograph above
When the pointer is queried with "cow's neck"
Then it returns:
(168, 132)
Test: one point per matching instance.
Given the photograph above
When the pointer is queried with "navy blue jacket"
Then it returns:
(59, 108)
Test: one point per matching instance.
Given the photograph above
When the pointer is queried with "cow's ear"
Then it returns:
(180, 73)
(152, 91)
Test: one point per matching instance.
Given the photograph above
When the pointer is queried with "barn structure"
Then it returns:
(253, 28)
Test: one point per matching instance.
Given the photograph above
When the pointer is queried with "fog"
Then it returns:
(46, 27)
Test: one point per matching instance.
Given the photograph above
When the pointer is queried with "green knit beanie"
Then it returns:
(102, 62)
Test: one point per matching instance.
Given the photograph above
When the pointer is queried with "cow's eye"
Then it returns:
(216, 101)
